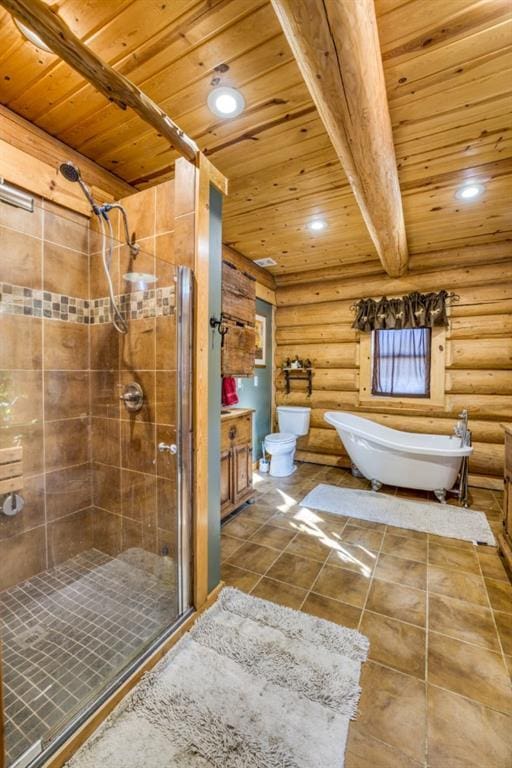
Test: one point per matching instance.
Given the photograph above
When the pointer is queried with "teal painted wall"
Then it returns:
(214, 391)
(256, 391)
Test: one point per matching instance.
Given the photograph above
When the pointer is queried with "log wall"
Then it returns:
(313, 320)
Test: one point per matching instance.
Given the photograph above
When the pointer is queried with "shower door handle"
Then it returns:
(167, 448)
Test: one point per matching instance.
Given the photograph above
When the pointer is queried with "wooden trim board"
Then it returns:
(41, 146)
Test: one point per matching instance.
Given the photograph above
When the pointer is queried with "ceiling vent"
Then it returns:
(267, 262)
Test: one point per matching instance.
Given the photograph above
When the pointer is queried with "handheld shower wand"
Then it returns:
(72, 173)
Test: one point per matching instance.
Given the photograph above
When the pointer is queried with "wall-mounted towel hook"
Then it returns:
(221, 327)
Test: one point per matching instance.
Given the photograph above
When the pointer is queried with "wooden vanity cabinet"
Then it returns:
(235, 462)
(239, 317)
(505, 536)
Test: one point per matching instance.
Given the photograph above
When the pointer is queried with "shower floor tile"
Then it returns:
(67, 632)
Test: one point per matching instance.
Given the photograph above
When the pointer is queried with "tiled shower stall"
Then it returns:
(89, 566)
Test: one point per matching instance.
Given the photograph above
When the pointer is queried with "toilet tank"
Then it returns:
(293, 420)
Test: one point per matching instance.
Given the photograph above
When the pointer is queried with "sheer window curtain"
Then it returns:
(401, 362)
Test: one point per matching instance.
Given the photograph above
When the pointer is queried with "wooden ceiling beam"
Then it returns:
(53, 31)
(337, 49)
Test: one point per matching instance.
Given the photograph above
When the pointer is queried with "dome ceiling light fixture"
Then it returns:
(226, 102)
(32, 37)
(469, 191)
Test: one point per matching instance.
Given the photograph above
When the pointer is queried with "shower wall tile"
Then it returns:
(137, 347)
(66, 443)
(22, 342)
(33, 511)
(107, 487)
(45, 362)
(166, 397)
(164, 249)
(98, 284)
(30, 437)
(68, 490)
(103, 483)
(22, 556)
(65, 346)
(138, 496)
(104, 353)
(69, 535)
(65, 227)
(137, 535)
(166, 343)
(184, 233)
(164, 201)
(107, 531)
(31, 223)
(166, 504)
(65, 271)
(140, 209)
(106, 441)
(21, 398)
(105, 392)
(138, 449)
(20, 258)
(66, 394)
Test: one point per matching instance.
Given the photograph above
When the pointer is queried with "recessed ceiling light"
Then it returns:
(316, 225)
(31, 36)
(226, 102)
(469, 191)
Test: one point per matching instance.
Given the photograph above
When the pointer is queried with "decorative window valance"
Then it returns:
(417, 310)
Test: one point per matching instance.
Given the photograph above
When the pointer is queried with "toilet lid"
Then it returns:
(280, 437)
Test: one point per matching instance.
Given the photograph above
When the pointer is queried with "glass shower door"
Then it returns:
(95, 547)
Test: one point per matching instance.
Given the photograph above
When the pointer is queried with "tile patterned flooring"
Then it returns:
(68, 631)
(436, 689)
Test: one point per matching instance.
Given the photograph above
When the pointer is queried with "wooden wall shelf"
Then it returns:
(291, 374)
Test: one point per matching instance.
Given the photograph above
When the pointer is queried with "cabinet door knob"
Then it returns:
(232, 433)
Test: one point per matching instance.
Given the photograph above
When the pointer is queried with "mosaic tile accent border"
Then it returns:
(33, 302)
(134, 306)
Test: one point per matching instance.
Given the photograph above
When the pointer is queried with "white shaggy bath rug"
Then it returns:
(441, 519)
(253, 685)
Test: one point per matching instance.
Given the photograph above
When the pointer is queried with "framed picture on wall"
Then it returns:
(261, 335)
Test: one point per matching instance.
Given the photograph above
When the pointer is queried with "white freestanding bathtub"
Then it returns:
(406, 459)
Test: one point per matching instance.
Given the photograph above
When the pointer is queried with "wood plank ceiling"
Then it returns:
(449, 81)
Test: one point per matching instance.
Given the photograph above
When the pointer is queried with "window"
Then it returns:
(401, 363)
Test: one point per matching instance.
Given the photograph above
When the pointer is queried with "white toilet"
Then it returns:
(293, 422)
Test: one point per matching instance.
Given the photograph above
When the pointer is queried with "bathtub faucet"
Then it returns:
(461, 427)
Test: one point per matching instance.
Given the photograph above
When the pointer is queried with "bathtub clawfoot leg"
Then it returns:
(440, 495)
(376, 485)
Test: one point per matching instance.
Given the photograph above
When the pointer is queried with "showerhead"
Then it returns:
(70, 171)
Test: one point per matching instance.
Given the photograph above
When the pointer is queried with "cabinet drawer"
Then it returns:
(236, 432)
